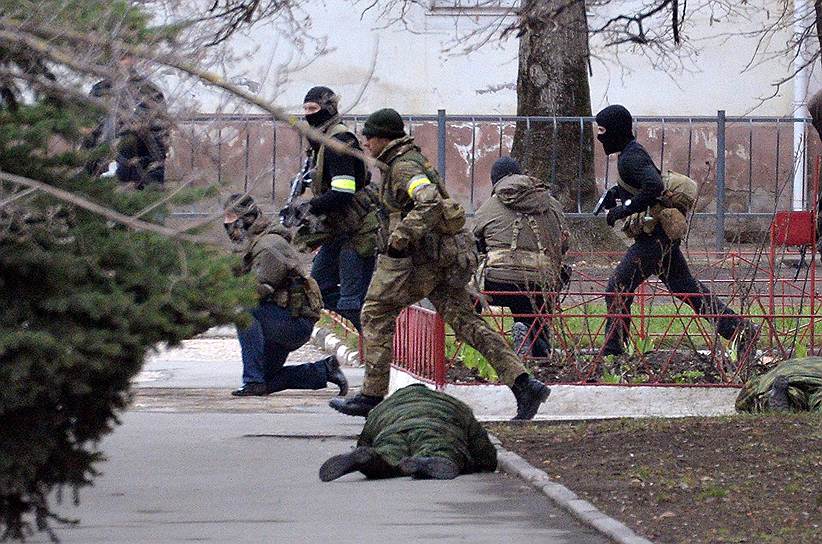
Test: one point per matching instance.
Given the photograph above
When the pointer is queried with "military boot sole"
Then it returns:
(430, 468)
(346, 463)
(530, 406)
(778, 399)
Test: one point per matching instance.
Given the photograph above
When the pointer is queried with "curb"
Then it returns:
(566, 499)
(332, 344)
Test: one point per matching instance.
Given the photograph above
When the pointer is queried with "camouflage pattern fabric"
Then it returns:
(437, 266)
(804, 387)
(416, 421)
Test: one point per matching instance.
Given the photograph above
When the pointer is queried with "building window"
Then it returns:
(474, 7)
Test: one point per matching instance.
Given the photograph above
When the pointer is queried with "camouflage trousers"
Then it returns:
(424, 441)
(398, 283)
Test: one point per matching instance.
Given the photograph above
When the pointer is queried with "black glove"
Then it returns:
(615, 214)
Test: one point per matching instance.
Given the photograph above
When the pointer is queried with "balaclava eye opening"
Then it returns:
(619, 128)
(327, 101)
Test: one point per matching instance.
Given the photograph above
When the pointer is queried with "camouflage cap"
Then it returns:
(242, 204)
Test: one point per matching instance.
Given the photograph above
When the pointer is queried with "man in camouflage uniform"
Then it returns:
(794, 385)
(420, 433)
(426, 253)
(137, 122)
(345, 261)
(290, 304)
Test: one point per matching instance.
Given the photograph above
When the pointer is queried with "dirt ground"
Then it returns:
(740, 479)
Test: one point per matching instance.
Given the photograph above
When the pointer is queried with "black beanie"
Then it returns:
(504, 166)
(619, 128)
(384, 123)
(327, 101)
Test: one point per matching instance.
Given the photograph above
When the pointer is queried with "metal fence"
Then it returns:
(748, 167)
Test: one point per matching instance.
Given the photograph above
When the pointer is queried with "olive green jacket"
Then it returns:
(278, 269)
(521, 228)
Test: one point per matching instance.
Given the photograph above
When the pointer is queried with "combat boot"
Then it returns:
(429, 468)
(358, 405)
(530, 393)
(778, 399)
(343, 464)
(335, 374)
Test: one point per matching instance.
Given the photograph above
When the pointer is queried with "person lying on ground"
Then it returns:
(793, 386)
(420, 433)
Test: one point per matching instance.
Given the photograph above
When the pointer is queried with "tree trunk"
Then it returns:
(553, 81)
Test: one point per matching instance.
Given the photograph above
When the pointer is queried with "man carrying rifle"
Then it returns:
(344, 209)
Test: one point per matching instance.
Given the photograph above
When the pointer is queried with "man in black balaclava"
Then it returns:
(652, 253)
(345, 260)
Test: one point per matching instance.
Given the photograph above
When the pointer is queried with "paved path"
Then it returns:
(182, 469)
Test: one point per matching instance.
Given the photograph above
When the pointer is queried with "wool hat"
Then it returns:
(384, 123)
(504, 166)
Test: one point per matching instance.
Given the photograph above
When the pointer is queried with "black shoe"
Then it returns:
(530, 393)
(251, 389)
(358, 405)
(429, 468)
(335, 374)
(340, 465)
(778, 400)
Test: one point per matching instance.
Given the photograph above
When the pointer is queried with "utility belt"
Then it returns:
(300, 296)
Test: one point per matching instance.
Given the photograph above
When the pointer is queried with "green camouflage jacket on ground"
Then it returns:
(804, 386)
(416, 407)
(277, 264)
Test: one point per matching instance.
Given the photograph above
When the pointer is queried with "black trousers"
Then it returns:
(657, 255)
(539, 341)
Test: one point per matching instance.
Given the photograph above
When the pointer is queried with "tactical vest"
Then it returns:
(351, 218)
(534, 267)
(453, 214)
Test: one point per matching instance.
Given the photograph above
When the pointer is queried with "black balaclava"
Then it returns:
(248, 212)
(327, 100)
(618, 125)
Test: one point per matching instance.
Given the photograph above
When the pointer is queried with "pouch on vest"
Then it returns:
(453, 217)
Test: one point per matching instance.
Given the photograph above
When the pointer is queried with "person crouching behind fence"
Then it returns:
(420, 433)
(521, 232)
(290, 304)
(656, 242)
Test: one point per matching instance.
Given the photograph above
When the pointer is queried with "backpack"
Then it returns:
(673, 205)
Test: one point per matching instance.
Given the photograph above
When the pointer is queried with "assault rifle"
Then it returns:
(292, 214)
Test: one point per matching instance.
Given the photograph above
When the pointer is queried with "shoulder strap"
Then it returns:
(630, 188)
(319, 163)
(515, 234)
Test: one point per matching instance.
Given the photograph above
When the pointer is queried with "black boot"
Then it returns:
(530, 393)
(429, 468)
(340, 465)
(251, 389)
(778, 399)
(358, 405)
(335, 374)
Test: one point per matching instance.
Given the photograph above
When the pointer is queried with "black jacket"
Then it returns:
(637, 169)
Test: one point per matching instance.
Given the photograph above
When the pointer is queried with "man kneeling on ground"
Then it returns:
(420, 433)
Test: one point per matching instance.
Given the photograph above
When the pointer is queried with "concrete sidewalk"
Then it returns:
(193, 464)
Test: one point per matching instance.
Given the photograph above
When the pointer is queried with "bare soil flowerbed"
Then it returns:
(739, 479)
